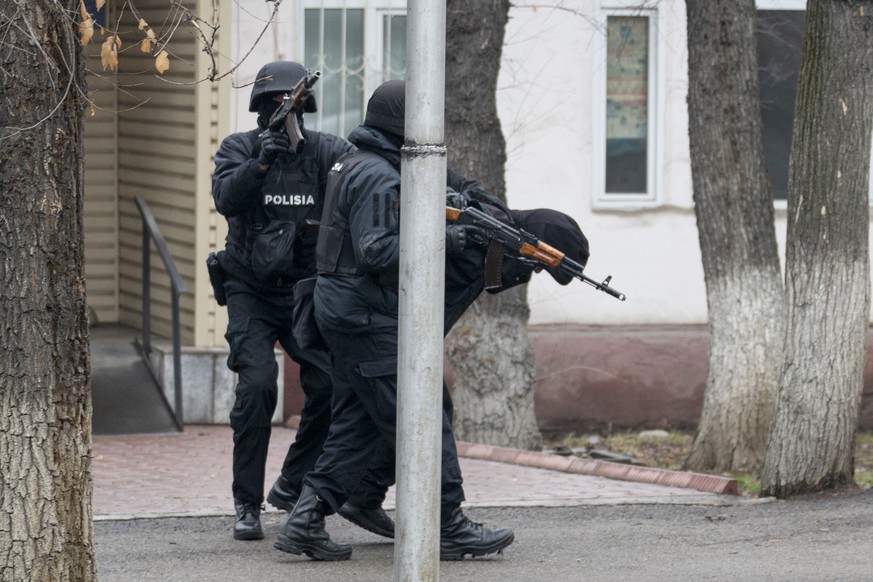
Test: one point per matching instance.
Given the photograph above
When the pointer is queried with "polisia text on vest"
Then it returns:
(288, 200)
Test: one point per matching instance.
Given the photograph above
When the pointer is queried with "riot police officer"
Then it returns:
(272, 200)
(356, 308)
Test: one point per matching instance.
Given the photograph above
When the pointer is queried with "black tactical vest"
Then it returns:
(285, 218)
(334, 253)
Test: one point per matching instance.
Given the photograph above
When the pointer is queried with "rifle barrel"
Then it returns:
(312, 79)
(603, 286)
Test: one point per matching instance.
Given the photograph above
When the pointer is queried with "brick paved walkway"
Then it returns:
(189, 474)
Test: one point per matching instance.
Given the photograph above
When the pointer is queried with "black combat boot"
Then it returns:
(303, 531)
(283, 495)
(461, 537)
(373, 520)
(248, 521)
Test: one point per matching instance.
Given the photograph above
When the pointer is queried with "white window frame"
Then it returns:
(780, 4)
(374, 13)
(379, 66)
(801, 5)
(656, 13)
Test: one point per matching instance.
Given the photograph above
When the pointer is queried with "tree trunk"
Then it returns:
(734, 209)
(45, 407)
(812, 440)
(494, 365)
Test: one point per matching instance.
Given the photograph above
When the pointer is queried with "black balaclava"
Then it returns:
(266, 108)
(386, 109)
(558, 230)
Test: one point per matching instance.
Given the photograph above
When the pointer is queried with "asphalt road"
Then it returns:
(817, 539)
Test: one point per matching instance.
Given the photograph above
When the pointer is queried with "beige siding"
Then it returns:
(212, 319)
(156, 160)
(155, 138)
(101, 192)
(214, 109)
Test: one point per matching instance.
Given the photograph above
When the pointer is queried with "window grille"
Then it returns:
(356, 45)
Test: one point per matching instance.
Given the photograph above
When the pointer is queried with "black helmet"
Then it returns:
(279, 77)
(385, 109)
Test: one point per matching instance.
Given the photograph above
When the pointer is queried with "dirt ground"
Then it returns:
(669, 449)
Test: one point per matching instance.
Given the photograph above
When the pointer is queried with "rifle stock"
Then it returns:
(528, 246)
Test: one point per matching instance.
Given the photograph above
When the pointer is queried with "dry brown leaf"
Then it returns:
(146, 45)
(142, 23)
(86, 31)
(150, 34)
(162, 62)
(86, 27)
(109, 53)
(100, 4)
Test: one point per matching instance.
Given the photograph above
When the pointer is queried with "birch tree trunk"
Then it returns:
(46, 531)
(734, 209)
(489, 347)
(812, 440)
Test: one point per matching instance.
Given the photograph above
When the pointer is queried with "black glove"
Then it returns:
(455, 199)
(463, 236)
(273, 143)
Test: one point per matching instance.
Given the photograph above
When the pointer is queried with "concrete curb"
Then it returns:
(707, 500)
(682, 479)
(579, 466)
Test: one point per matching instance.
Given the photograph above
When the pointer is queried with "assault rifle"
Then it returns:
(530, 249)
(292, 104)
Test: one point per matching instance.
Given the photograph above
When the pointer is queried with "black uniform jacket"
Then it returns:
(368, 199)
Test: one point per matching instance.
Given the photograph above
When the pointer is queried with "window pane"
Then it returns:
(627, 111)
(779, 36)
(99, 15)
(334, 44)
(394, 57)
(354, 71)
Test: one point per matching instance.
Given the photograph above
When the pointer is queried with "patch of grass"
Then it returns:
(670, 450)
(864, 460)
(667, 452)
(749, 485)
(863, 478)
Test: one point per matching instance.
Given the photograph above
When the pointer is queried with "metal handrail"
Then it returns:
(151, 231)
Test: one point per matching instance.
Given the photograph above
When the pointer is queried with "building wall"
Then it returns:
(154, 136)
(214, 117)
(603, 378)
(157, 159)
(546, 102)
(101, 191)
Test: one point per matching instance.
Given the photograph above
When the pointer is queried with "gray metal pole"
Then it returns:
(422, 285)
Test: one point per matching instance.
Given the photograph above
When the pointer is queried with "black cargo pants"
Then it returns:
(364, 372)
(257, 321)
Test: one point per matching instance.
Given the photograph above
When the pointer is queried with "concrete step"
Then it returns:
(125, 397)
